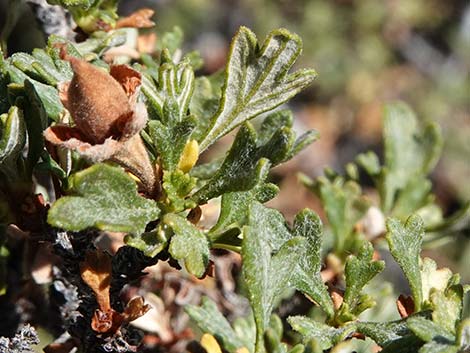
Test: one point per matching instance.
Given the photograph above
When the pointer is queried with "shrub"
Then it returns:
(89, 146)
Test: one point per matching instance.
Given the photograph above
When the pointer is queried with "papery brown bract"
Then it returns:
(107, 119)
(96, 101)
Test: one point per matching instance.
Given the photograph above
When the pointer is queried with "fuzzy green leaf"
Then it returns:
(307, 277)
(384, 333)
(174, 86)
(247, 162)
(428, 331)
(49, 95)
(408, 151)
(171, 140)
(359, 270)
(447, 307)
(405, 242)
(344, 206)
(177, 185)
(436, 347)
(433, 278)
(13, 137)
(326, 336)
(267, 275)
(257, 80)
(36, 121)
(188, 244)
(463, 334)
(210, 320)
(233, 210)
(106, 198)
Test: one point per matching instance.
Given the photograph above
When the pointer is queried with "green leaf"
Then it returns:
(384, 333)
(247, 163)
(436, 347)
(177, 185)
(48, 95)
(405, 245)
(344, 206)
(233, 210)
(41, 67)
(174, 86)
(447, 307)
(428, 331)
(408, 151)
(359, 270)
(432, 278)
(13, 138)
(106, 198)
(257, 79)
(171, 140)
(210, 320)
(307, 277)
(205, 101)
(36, 122)
(463, 334)
(188, 244)
(270, 255)
(150, 243)
(325, 335)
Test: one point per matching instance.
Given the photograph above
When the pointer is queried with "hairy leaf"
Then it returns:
(257, 80)
(13, 137)
(270, 256)
(408, 152)
(234, 213)
(428, 330)
(247, 163)
(171, 140)
(405, 242)
(344, 206)
(447, 307)
(210, 320)
(106, 198)
(307, 277)
(325, 335)
(359, 271)
(188, 244)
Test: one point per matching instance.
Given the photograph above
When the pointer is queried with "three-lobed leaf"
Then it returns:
(405, 242)
(256, 80)
(188, 244)
(270, 255)
(409, 152)
(359, 270)
(307, 277)
(106, 198)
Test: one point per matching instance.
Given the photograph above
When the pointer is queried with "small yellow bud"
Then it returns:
(209, 343)
(189, 157)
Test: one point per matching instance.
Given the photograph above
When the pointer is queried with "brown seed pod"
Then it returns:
(97, 102)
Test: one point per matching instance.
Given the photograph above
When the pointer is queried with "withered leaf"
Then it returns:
(96, 273)
(138, 19)
(106, 321)
(135, 309)
(96, 101)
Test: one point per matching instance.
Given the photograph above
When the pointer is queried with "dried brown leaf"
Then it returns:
(138, 19)
(405, 305)
(96, 101)
(135, 308)
(96, 273)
